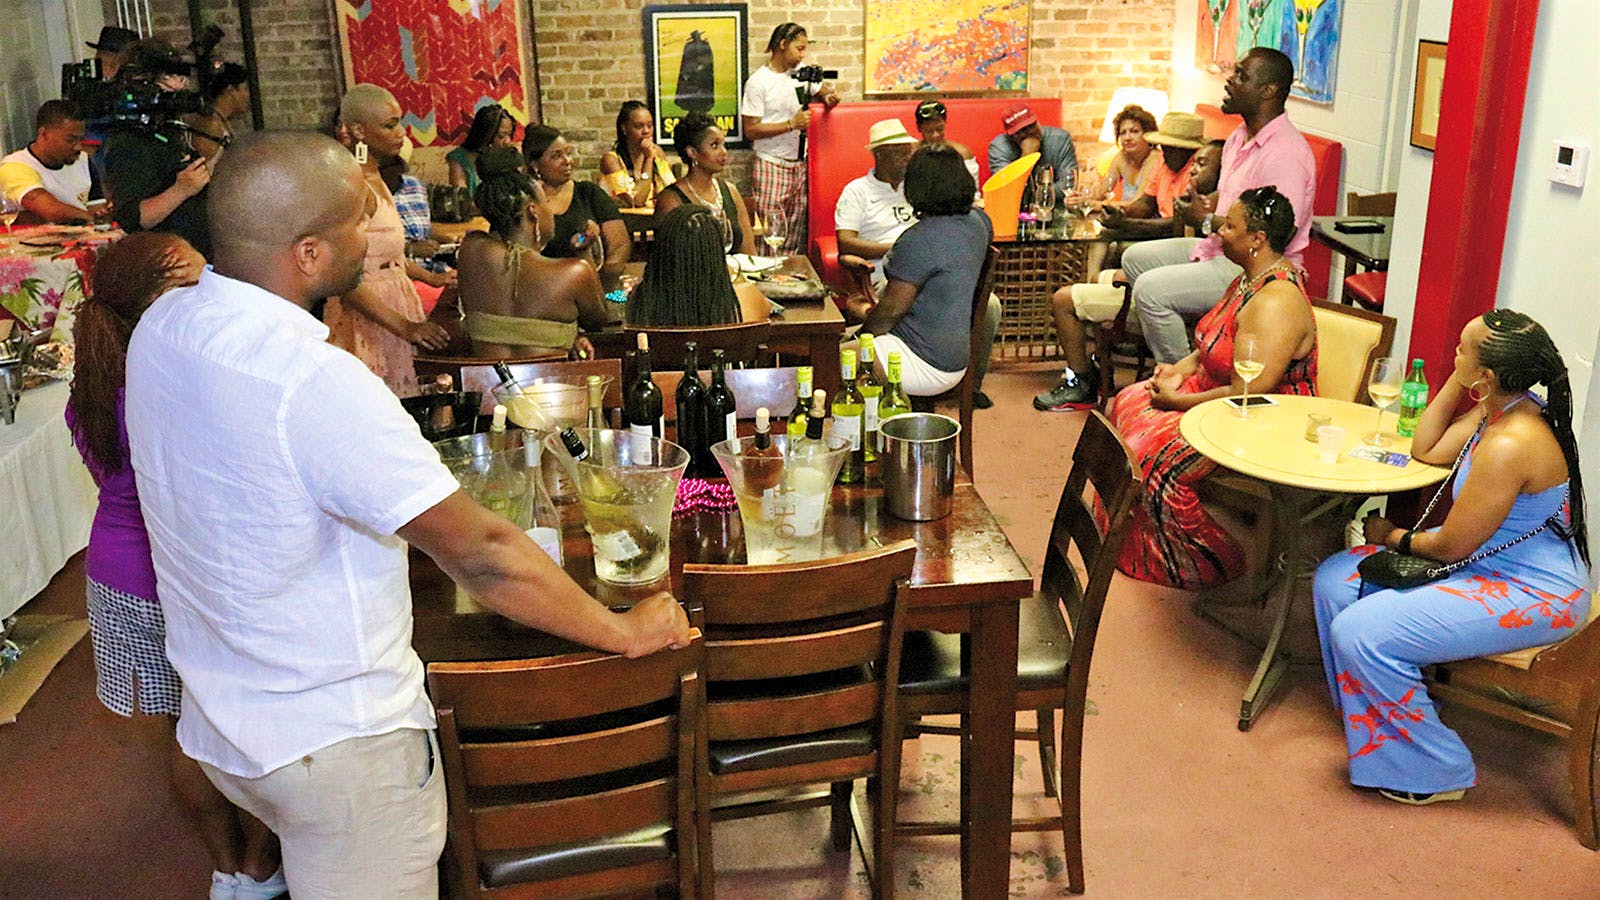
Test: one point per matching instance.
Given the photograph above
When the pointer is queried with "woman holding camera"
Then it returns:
(1518, 532)
(774, 119)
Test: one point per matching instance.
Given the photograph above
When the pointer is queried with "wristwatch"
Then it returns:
(1206, 225)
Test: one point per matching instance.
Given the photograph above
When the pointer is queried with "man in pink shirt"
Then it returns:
(1180, 279)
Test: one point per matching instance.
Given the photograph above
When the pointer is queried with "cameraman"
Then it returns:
(774, 119)
(152, 176)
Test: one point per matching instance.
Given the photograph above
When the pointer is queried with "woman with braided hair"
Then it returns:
(686, 282)
(1518, 505)
(517, 301)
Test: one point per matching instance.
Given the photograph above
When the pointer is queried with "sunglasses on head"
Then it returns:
(930, 109)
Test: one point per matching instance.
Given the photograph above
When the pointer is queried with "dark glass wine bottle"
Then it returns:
(642, 406)
(722, 416)
(691, 398)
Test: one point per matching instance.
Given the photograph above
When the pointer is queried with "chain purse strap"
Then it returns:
(1447, 568)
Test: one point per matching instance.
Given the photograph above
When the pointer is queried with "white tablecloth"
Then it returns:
(47, 499)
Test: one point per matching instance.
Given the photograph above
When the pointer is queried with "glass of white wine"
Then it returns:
(1383, 386)
(9, 210)
(773, 238)
(1248, 367)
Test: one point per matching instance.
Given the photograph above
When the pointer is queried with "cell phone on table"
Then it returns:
(1252, 401)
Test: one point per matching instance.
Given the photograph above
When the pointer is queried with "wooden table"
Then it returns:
(967, 578)
(809, 328)
(1027, 273)
(1269, 446)
(1370, 250)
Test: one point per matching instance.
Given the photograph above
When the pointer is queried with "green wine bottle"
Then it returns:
(871, 395)
(894, 401)
(849, 408)
(802, 404)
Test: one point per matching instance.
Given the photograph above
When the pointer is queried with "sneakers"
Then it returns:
(1410, 799)
(239, 886)
(1073, 392)
(980, 400)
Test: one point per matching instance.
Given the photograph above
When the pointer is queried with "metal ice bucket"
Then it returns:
(919, 464)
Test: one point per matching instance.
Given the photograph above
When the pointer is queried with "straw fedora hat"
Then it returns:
(1179, 129)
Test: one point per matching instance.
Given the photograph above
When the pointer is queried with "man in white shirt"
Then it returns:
(281, 483)
(872, 210)
(774, 119)
(50, 176)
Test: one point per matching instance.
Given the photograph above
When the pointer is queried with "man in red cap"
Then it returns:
(1023, 135)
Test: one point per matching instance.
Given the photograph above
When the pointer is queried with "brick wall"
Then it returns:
(591, 58)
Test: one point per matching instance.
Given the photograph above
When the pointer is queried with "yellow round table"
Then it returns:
(1269, 446)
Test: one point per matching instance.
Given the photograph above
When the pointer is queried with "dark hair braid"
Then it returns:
(686, 281)
(1521, 354)
(504, 189)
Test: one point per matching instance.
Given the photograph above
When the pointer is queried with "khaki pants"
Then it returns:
(359, 819)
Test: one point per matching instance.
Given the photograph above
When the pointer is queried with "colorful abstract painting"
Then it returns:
(442, 59)
(946, 45)
(1307, 31)
(695, 61)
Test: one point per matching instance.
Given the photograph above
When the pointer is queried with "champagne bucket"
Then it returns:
(919, 465)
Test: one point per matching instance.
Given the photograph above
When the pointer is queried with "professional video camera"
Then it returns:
(135, 99)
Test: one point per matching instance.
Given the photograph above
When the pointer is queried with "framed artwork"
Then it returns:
(963, 46)
(1425, 99)
(442, 61)
(696, 59)
(1307, 31)
(1216, 35)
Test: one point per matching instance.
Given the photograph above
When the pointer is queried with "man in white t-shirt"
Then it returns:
(281, 482)
(872, 210)
(774, 119)
(50, 176)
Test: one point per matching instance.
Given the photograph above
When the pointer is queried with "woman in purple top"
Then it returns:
(132, 675)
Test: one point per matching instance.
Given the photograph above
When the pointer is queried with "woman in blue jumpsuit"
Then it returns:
(1519, 473)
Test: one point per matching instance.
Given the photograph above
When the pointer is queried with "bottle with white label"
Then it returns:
(543, 520)
(871, 392)
(849, 408)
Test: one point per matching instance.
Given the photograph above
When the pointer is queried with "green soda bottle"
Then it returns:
(1413, 399)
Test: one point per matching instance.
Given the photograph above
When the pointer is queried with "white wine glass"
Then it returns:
(773, 238)
(1248, 366)
(1383, 386)
(9, 210)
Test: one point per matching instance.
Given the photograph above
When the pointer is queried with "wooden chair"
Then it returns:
(966, 389)
(1369, 204)
(738, 343)
(429, 366)
(1366, 288)
(480, 376)
(1053, 653)
(800, 670)
(572, 775)
(1554, 689)
(752, 389)
(1116, 341)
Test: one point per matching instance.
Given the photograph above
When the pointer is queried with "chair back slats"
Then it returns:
(980, 309)
(793, 592)
(752, 389)
(503, 763)
(480, 376)
(1103, 461)
(1369, 204)
(546, 690)
(801, 713)
(738, 342)
(785, 657)
(572, 819)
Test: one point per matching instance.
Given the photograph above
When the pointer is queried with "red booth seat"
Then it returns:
(837, 147)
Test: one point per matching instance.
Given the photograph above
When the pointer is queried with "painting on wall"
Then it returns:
(695, 60)
(1425, 99)
(1307, 31)
(948, 46)
(442, 61)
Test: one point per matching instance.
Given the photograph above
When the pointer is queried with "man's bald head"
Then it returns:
(366, 104)
(283, 202)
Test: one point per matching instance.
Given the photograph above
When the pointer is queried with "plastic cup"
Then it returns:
(783, 500)
(626, 486)
(1330, 443)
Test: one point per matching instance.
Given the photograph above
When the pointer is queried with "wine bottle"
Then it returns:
(894, 401)
(501, 490)
(871, 394)
(848, 410)
(597, 399)
(643, 403)
(544, 523)
(811, 443)
(442, 417)
(1413, 400)
(762, 461)
(691, 397)
(802, 403)
(722, 411)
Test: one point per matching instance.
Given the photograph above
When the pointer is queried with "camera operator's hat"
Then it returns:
(1179, 129)
(1017, 118)
(887, 132)
(113, 39)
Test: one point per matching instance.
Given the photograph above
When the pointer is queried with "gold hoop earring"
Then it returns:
(361, 153)
(1472, 391)
(1253, 252)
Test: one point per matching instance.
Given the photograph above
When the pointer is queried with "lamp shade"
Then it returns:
(1151, 99)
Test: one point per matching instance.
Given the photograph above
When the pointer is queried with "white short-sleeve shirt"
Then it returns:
(771, 97)
(22, 172)
(873, 209)
(273, 472)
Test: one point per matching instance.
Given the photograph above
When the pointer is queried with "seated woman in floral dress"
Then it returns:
(1174, 541)
(1518, 476)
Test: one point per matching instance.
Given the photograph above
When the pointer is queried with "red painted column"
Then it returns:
(1480, 127)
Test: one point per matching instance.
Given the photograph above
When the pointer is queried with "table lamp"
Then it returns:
(1151, 99)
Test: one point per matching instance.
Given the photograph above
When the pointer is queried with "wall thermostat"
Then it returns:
(1571, 162)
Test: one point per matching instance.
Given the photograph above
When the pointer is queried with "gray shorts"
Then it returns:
(129, 637)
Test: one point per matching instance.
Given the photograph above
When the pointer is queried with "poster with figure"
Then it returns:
(1307, 31)
(695, 61)
(1215, 35)
(948, 46)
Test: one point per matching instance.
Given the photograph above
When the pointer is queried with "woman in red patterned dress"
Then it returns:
(1174, 540)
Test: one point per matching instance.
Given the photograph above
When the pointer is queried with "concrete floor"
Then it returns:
(1177, 801)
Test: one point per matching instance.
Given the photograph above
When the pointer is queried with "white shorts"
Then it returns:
(917, 377)
(1101, 303)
